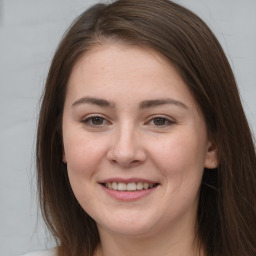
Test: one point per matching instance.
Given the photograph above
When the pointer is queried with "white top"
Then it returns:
(51, 252)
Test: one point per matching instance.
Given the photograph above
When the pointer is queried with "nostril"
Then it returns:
(136, 162)
(132, 163)
(113, 161)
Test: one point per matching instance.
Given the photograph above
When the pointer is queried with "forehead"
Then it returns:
(118, 57)
(128, 70)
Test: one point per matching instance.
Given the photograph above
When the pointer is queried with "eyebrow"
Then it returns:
(143, 105)
(94, 101)
(159, 102)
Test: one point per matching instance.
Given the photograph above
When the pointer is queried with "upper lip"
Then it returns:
(129, 180)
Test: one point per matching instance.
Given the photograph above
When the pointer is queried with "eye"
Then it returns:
(160, 122)
(95, 121)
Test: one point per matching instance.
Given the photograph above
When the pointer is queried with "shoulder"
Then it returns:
(51, 252)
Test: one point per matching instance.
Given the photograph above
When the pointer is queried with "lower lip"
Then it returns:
(128, 195)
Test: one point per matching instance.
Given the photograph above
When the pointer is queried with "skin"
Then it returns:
(128, 141)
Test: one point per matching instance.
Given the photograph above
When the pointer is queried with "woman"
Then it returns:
(143, 147)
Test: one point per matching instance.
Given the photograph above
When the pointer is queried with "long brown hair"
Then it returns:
(227, 205)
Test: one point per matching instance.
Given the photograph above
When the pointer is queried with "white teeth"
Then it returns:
(114, 185)
(145, 185)
(132, 186)
(121, 186)
(139, 186)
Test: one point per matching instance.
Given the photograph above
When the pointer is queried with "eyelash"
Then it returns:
(89, 121)
(167, 121)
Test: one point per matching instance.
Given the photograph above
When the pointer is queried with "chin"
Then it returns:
(129, 225)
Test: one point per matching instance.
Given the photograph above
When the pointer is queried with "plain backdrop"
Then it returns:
(29, 33)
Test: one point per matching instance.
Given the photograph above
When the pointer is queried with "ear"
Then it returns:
(211, 159)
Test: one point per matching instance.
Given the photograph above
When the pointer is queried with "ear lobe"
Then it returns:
(211, 159)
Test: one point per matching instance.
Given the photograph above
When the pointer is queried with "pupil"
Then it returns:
(97, 120)
(159, 121)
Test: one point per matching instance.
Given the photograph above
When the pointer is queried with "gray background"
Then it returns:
(29, 33)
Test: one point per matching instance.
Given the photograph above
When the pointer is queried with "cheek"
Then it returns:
(83, 154)
(180, 155)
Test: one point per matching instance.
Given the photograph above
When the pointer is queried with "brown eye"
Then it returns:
(160, 121)
(97, 120)
(94, 121)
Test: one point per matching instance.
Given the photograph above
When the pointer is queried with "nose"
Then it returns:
(126, 148)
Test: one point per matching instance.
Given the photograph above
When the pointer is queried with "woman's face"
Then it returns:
(135, 142)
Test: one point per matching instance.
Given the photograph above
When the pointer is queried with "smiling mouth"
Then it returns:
(131, 186)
